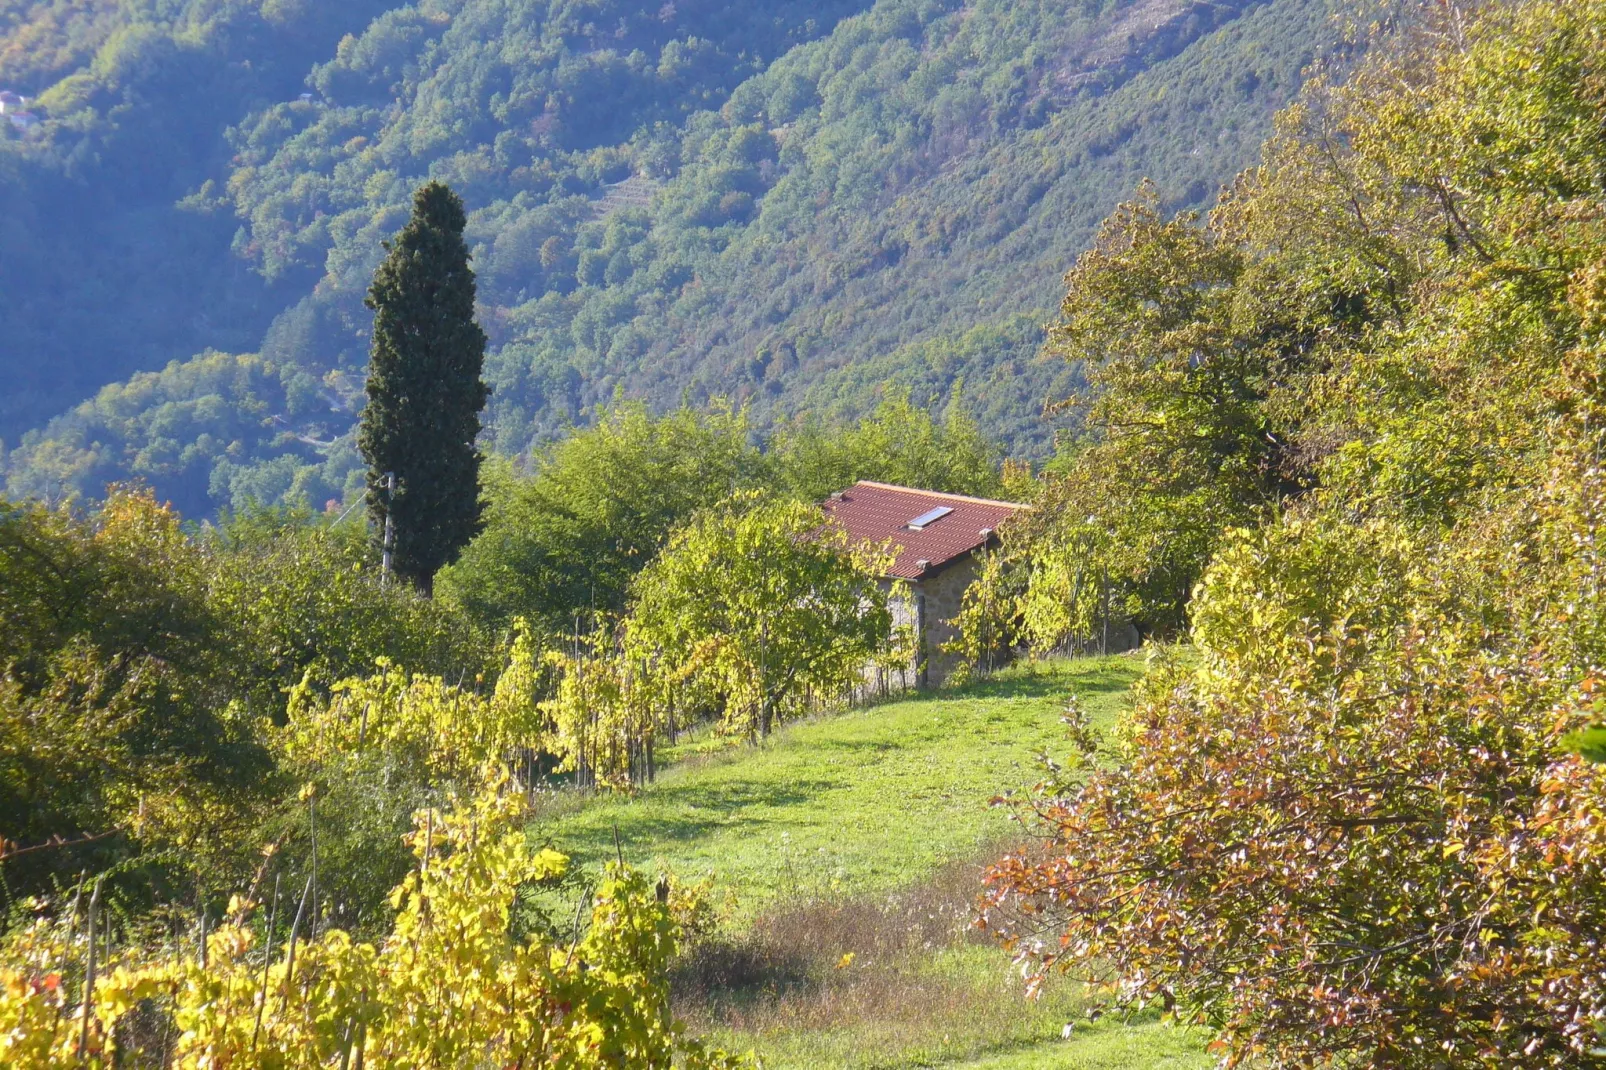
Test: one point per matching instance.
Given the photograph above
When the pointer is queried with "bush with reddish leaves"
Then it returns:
(1349, 832)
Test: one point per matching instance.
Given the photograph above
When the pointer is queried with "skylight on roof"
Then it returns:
(925, 520)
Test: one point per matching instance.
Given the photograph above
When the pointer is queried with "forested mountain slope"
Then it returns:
(118, 224)
(790, 204)
(114, 250)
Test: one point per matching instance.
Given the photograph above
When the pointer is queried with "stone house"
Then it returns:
(936, 538)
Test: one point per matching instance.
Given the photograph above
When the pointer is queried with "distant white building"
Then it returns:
(14, 107)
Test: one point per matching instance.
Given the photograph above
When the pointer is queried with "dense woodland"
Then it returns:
(1338, 460)
(790, 205)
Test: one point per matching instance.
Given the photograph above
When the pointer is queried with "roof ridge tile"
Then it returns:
(939, 494)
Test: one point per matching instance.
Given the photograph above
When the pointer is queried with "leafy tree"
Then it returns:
(897, 443)
(600, 505)
(140, 665)
(115, 689)
(424, 392)
(1198, 359)
(1347, 831)
(306, 605)
(757, 609)
(986, 624)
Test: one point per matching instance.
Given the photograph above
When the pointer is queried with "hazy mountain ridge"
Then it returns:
(114, 239)
(891, 202)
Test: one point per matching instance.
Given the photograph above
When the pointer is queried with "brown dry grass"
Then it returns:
(885, 975)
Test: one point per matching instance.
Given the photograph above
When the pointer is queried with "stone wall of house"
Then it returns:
(879, 681)
(944, 594)
(935, 601)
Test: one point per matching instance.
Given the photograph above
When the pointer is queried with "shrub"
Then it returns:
(1344, 835)
(1351, 833)
(448, 986)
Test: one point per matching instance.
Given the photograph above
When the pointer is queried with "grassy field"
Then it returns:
(845, 854)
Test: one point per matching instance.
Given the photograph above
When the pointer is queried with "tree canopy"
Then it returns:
(1346, 828)
(419, 429)
(757, 608)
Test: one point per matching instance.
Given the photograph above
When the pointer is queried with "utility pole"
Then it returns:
(390, 526)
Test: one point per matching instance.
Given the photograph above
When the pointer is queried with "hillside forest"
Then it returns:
(272, 796)
(805, 208)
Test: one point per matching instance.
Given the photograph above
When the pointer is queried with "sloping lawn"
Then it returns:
(864, 801)
(845, 854)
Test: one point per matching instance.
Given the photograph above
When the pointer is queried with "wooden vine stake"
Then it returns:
(290, 954)
(89, 975)
(267, 956)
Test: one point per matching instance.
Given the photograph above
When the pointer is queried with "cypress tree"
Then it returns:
(424, 391)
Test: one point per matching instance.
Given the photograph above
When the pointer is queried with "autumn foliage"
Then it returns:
(1355, 853)
(1344, 829)
(451, 985)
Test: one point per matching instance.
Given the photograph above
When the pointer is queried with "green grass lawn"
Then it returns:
(859, 802)
(1105, 1046)
(845, 824)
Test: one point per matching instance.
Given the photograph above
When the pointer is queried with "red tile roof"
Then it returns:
(879, 512)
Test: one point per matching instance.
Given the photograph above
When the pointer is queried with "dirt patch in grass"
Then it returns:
(824, 938)
(867, 980)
